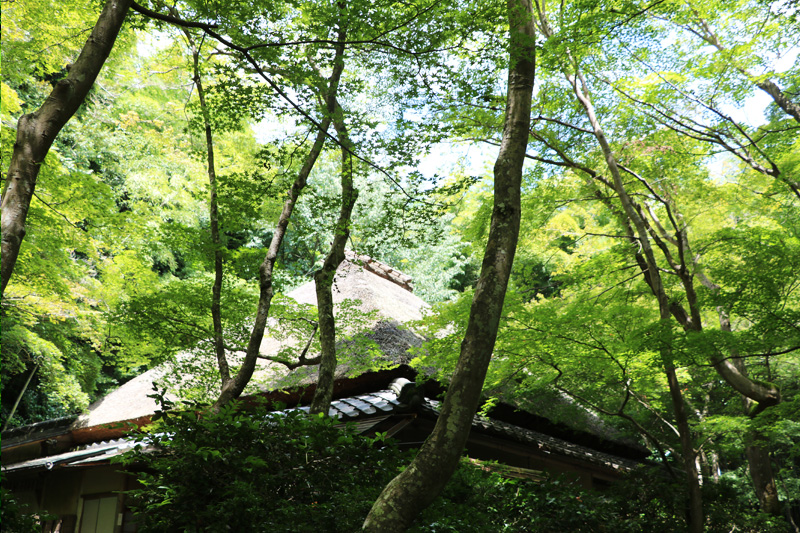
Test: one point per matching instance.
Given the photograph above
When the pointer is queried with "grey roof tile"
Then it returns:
(545, 443)
(344, 409)
(363, 407)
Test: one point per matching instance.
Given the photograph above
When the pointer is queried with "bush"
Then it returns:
(290, 472)
(257, 471)
(13, 519)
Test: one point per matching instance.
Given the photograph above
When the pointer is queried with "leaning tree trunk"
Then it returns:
(416, 487)
(37, 131)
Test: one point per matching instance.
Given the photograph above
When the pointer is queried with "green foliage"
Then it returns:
(53, 308)
(475, 501)
(13, 517)
(114, 273)
(262, 470)
(42, 53)
(21, 346)
(258, 471)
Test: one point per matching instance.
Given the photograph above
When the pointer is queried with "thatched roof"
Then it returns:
(128, 402)
(379, 289)
(382, 292)
(386, 296)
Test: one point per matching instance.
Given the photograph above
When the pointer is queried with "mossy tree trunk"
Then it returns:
(323, 278)
(36, 131)
(417, 486)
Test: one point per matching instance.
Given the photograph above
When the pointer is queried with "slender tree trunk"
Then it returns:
(687, 448)
(416, 487)
(213, 208)
(19, 396)
(37, 131)
(236, 384)
(756, 395)
(323, 278)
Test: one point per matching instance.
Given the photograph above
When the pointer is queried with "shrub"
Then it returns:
(13, 518)
(289, 472)
(257, 471)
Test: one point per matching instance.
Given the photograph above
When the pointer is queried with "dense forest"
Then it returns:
(598, 198)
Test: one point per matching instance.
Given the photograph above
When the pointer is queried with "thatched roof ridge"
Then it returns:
(381, 269)
(387, 297)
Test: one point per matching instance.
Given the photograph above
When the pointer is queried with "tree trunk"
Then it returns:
(687, 448)
(758, 457)
(763, 393)
(323, 278)
(37, 131)
(213, 209)
(780, 98)
(760, 463)
(756, 445)
(417, 486)
(236, 384)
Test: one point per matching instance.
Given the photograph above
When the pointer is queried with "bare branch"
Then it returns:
(301, 361)
(177, 21)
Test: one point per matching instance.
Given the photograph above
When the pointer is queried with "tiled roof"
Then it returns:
(385, 402)
(549, 444)
(362, 405)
